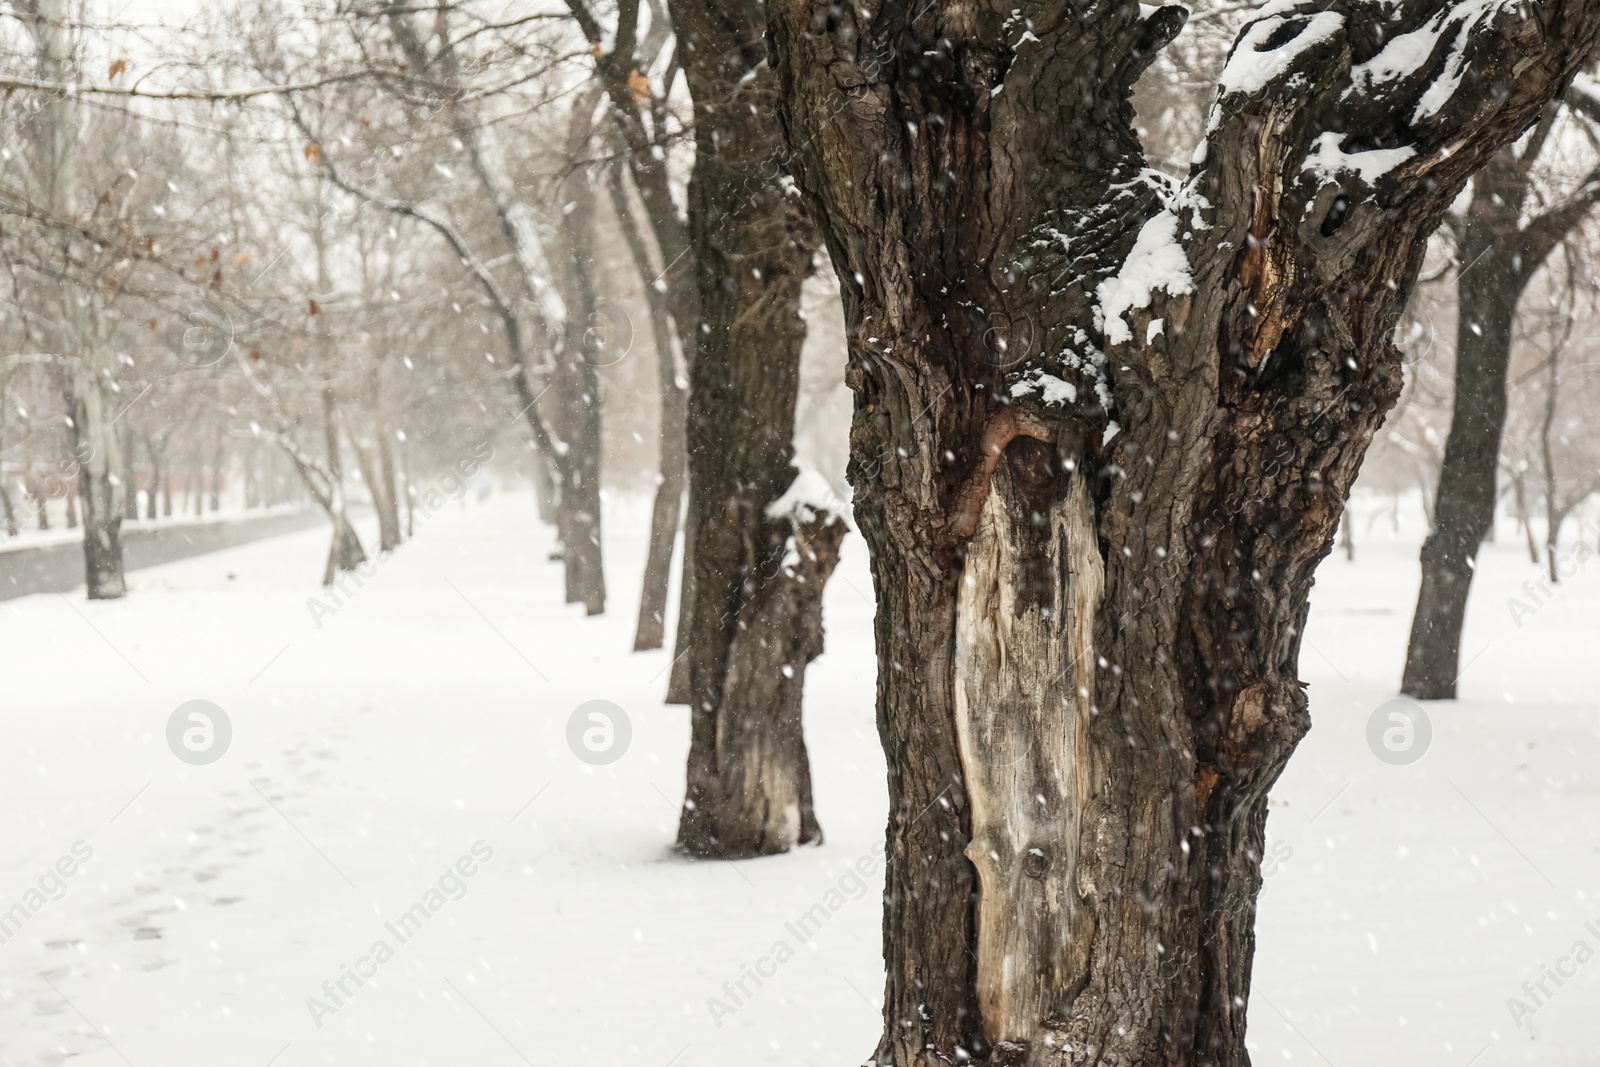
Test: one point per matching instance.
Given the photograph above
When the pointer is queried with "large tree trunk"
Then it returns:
(1104, 429)
(753, 618)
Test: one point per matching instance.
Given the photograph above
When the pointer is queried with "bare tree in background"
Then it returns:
(1500, 249)
(72, 320)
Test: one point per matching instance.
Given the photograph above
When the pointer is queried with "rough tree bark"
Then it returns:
(757, 565)
(1500, 252)
(1104, 428)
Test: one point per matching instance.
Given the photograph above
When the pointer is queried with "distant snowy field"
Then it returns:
(1404, 906)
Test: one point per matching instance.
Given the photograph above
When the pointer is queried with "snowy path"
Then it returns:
(53, 560)
(428, 713)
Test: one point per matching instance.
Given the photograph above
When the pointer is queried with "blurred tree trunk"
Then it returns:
(758, 571)
(666, 512)
(1499, 252)
(1519, 490)
(219, 462)
(7, 507)
(586, 344)
(130, 477)
(388, 476)
(161, 476)
(12, 529)
(344, 551)
(36, 493)
(1104, 428)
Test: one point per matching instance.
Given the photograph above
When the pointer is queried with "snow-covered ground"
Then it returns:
(383, 746)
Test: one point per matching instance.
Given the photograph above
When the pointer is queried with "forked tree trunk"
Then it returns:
(1104, 429)
(1499, 253)
(752, 619)
(382, 492)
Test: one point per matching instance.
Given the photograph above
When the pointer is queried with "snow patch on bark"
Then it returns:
(1050, 388)
(1253, 66)
(1409, 53)
(807, 495)
(1157, 261)
(1328, 160)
